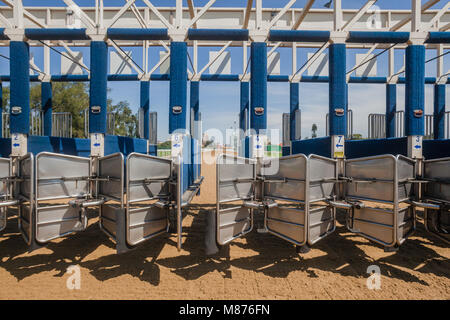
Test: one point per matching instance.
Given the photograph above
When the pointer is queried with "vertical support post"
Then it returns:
(178, 86)
(46, 103)
(294, 106)
(337, 99)
(439, 111)
(98, 97)
(415, 98)
(145, 105)
(391, 109)
(258, 89)
(20, 96)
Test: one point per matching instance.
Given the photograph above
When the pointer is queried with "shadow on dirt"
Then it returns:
(341, 253)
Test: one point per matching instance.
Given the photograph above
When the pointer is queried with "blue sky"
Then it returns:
(219, 101)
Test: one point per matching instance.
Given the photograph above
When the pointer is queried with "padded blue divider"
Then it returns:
(19, 66)
(434, 149)
(178, 85)
(373, 147)
(258, 88)
(56, 34)
(285, 151)
(318, 146)
(46, 103)
(294, 105)
(145, 105)
(244, 104)
(153, 150)
(391, 108)
(5, 147)
(1, 109)
(98, 86)
(439, 111)
(414, 89)
(337, 89)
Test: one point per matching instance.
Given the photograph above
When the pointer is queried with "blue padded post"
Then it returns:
(391, 108)
(46, 103)
(439, 111)
(337, 89)
(145, 105)
(20, 86)
(414, 89)
(245, 101)
(98, 86)
(178, 85)
(258, 89)
(294, 105)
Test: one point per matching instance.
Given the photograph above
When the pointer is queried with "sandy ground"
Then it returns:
(259, 266)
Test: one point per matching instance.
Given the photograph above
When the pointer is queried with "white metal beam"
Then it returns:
(201, 13)
(158, 14)
(337, 14)
(438, 16)
(218, 54)
(121, 12)
(126, 58)
(424, 8)
(83, 16)
(360, 13)
(247, 12)
(445, 27)
(281, 13)
(192, 11)
(303, 14)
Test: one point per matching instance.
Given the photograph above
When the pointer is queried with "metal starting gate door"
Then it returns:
(379, 190)
(294, 200)
(5, 191)
(437, 197)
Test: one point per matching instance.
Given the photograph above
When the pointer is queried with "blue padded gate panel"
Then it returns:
(145, 105)
(435, 149)
(46, 103)
(98, 86)
(244, 104)
(318, 146)
(439, 111)
(178, 85)
(258, 89)
(20, 86)
(294, 105)
(391, 108)
(337, 89)
(414, 89)
(373, 147)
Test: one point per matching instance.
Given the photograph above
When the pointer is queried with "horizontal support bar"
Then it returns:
(377, 37)
(137, 34)
(438, 37)
(56, 34)
(218, 34)
(299, 35)
(218, 77)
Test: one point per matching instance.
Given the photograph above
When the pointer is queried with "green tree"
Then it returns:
(5, 100)
(73, 97)
(314, 131)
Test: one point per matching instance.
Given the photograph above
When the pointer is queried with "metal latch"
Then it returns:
(177, 109)
(418, 113)
(339, 112)
(16, 110)
(259, 111)
(96, 109)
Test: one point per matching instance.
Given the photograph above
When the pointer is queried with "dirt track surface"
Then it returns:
(259, 266)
